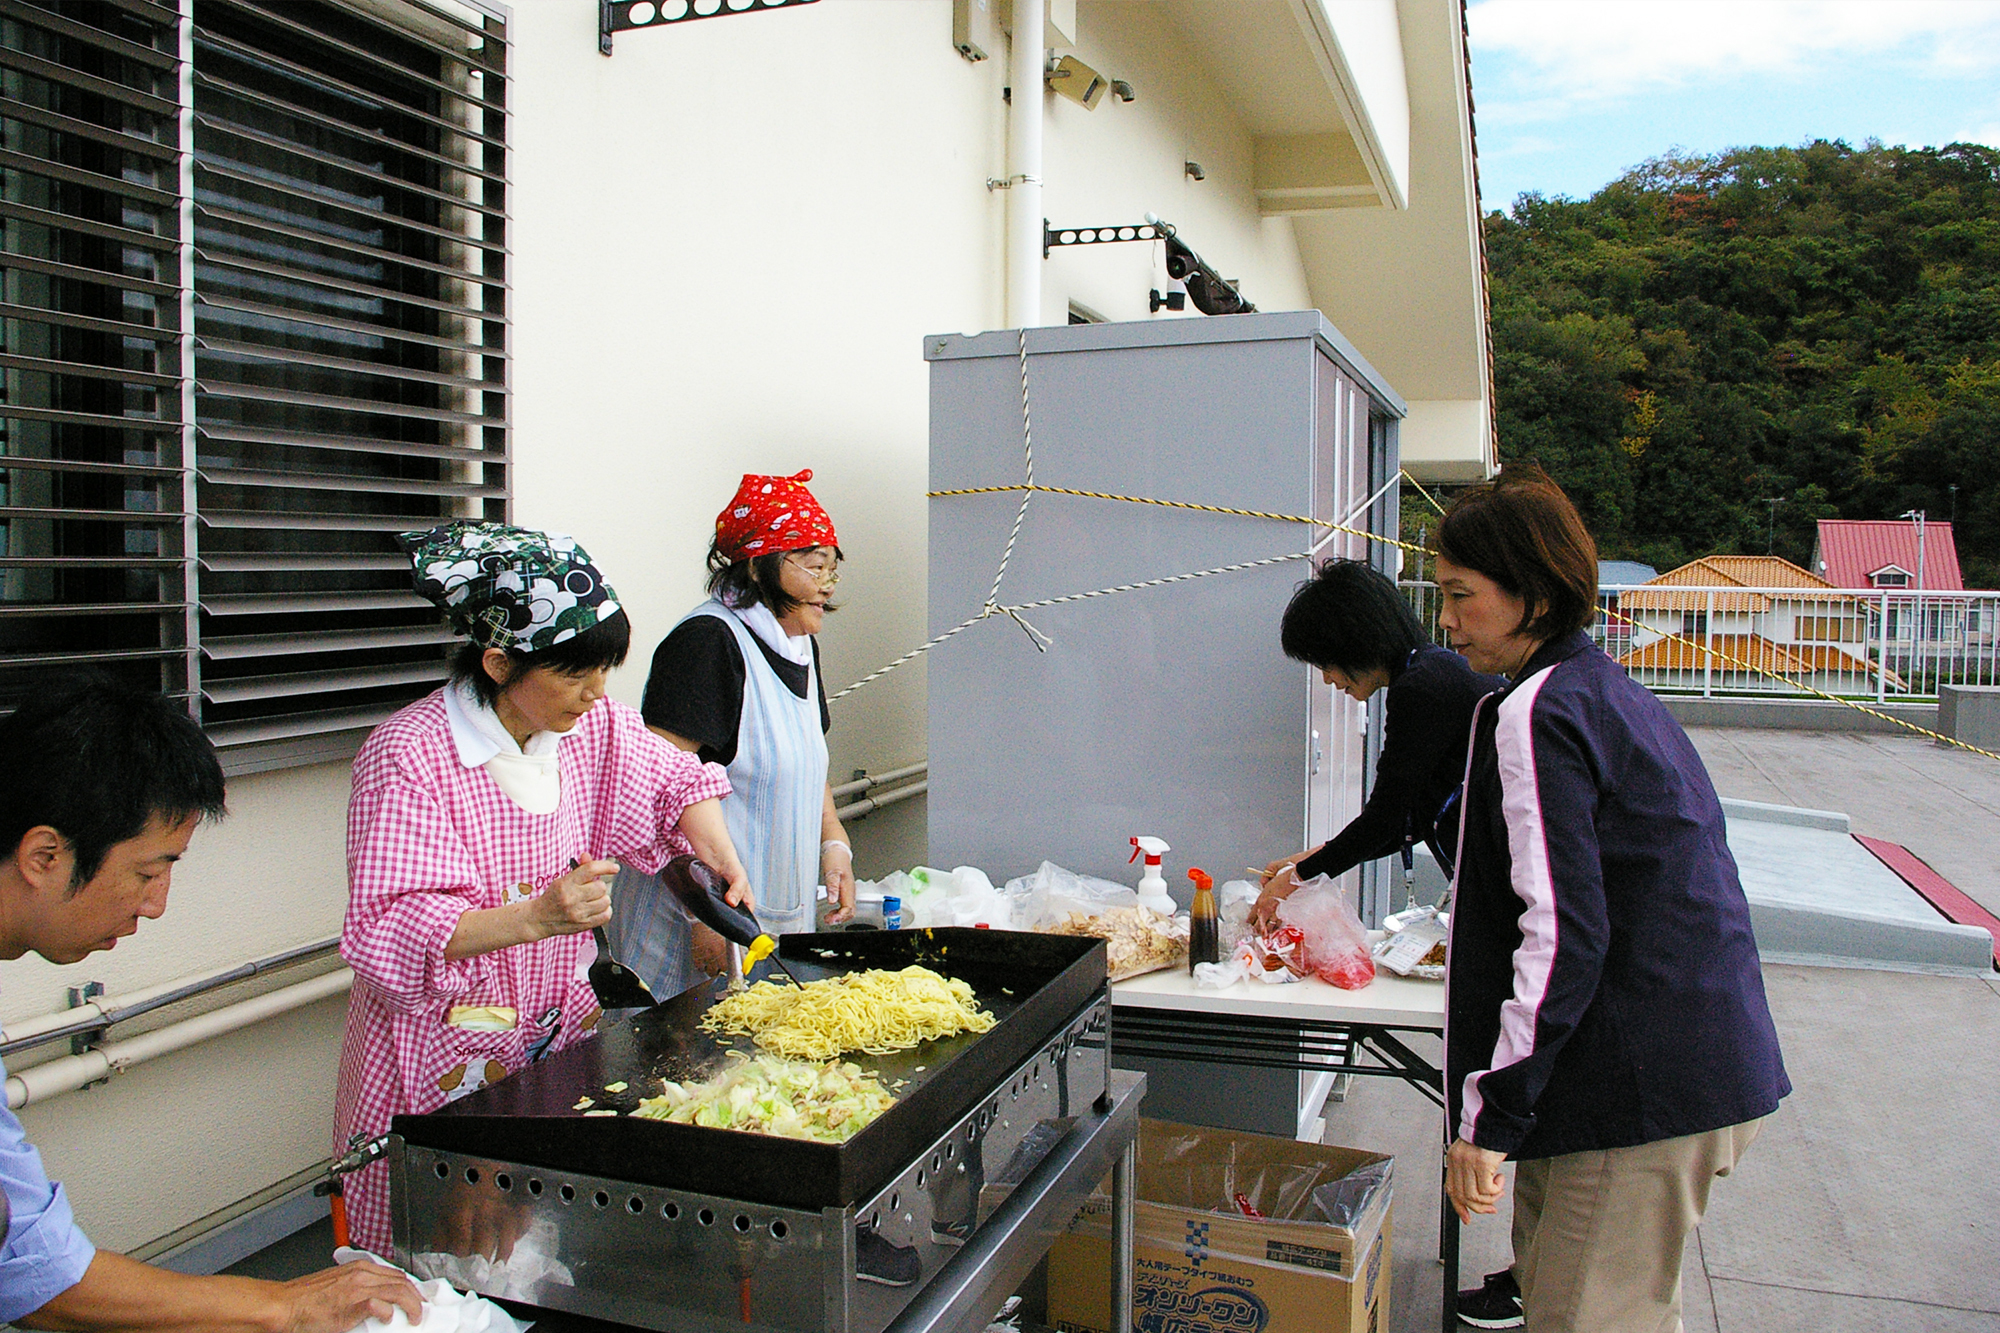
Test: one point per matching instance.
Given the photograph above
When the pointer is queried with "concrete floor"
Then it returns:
(1871, 1201)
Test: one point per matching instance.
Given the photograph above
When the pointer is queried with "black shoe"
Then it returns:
(876, 1260)
(1495, 1305)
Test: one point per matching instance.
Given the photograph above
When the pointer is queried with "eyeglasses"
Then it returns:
(825, 575)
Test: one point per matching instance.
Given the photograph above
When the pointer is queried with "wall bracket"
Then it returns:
(614, 16)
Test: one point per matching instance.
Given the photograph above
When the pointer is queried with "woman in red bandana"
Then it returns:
(737, 682)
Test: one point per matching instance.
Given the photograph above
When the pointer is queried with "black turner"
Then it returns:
(616, 985)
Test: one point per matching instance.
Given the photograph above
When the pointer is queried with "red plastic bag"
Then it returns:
(1333, 944)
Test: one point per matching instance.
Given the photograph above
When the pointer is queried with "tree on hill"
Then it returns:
(1817, 324)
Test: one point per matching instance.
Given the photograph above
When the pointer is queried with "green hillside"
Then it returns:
(1818, 323)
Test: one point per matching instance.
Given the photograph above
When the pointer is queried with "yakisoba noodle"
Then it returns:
(873, 1011)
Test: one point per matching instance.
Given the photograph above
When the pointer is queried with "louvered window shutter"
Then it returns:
(327, 224)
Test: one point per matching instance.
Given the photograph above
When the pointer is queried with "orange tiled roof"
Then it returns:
(1677, 654)
(1723, 571)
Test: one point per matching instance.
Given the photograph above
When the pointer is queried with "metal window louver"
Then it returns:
(255, 324)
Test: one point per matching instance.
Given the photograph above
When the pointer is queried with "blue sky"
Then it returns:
(1571, 93)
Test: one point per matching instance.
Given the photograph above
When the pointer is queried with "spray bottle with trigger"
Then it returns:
(1153, 893)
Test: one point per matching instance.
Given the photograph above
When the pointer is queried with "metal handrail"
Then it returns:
(102, 1017)
(869, 781)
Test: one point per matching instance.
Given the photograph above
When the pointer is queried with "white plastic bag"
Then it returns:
(975, 902)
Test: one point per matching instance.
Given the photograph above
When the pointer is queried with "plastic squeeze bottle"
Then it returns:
(1204, 935)
(1153, 893)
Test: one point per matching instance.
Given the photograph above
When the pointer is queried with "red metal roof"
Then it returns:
(1851, 549)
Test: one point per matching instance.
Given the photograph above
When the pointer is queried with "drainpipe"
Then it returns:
(1025, 218)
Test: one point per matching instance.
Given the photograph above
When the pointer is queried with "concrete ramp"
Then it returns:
(1820, 898)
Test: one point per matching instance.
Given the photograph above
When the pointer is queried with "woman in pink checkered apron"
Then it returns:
(485, 822)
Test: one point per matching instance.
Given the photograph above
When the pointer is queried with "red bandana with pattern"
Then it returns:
(772, 514)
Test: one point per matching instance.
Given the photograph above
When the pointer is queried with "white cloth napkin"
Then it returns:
(792, 647)
(446, 1310)
(530, 775)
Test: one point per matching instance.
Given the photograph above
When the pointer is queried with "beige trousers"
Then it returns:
(1598, 1235)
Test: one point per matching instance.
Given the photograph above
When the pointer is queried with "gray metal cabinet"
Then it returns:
(1168, 710)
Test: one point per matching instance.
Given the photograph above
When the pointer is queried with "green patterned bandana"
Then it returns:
(508, 587)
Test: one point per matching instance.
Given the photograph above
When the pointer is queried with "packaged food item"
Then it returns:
(1139, 941)
(1417, 949)
(892, 912)
(1332, 943)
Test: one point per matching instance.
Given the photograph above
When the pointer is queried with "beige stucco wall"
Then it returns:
(729, 240)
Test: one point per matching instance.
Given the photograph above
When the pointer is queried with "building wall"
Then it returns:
(729, 240)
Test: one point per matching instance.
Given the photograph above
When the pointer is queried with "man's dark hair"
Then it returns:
(1352, 618)
(1522, 532)
(97, 760)
(603, 645)
(744, 583)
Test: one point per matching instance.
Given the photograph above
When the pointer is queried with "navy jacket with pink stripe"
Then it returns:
(1604, 983)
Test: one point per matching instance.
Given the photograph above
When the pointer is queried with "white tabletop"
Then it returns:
(1389, 999)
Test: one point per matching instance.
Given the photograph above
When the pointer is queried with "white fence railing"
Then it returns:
(1884, 645)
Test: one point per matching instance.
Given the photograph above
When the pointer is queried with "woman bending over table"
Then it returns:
(1355, 626)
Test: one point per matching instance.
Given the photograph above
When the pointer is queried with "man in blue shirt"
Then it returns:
(101, 789)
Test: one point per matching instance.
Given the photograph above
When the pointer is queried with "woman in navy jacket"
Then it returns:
(1606, 1025)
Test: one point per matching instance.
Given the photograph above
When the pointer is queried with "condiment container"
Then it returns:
(1204, 926)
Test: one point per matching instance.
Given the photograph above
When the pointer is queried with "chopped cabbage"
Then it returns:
(767, 1094)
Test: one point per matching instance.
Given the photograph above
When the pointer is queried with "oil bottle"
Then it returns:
(1204, 936)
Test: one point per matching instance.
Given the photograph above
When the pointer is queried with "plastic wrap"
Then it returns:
(1290, 1185)
(1347, 1200)
(1052, 894)
(1055, 901)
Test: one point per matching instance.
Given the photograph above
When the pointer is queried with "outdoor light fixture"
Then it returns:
(1122, 90)
(631, 15)
(1192, 170)
(1211, 294)
(1078, 82)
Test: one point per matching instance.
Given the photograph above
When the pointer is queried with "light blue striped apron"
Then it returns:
(778, 781)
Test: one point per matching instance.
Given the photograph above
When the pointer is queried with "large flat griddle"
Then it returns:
(1032, 984)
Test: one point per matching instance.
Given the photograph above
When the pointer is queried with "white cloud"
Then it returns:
(1609, 49)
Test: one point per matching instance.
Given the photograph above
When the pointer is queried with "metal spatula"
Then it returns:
(616, 985)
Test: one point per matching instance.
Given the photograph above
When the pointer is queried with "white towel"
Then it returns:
(446, 1310)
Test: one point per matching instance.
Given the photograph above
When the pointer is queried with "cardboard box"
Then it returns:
(1203, 1271)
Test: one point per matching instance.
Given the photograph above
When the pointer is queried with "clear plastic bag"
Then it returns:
(1333, 944)
(1061, 902)
(1346, 1200)
(1052, 895)
(1234, 902)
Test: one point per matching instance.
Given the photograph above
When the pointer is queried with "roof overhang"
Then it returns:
(1360, 117)
(1320, 84)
